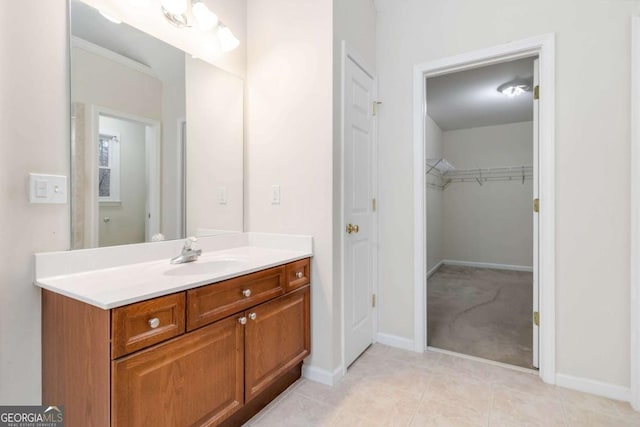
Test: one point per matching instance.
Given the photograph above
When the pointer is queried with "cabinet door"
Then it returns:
(277, 338)
(193, 380)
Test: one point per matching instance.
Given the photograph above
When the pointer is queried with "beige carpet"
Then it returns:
(482, 312)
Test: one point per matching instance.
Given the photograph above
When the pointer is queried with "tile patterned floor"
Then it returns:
(391, 387)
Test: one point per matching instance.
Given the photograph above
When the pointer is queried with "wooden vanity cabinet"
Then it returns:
(107, 370)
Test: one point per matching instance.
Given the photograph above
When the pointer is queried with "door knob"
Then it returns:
(352, 228)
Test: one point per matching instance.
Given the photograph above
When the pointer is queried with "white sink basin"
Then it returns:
(210, 266)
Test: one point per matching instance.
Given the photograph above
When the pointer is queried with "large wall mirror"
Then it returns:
(157, 138)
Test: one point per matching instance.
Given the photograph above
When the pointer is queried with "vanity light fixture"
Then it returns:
(513, 89)
(191, 14)
(196, 14)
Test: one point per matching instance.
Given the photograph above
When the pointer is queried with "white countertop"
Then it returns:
(117, 286)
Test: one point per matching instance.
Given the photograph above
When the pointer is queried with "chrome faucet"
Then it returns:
(188, 254)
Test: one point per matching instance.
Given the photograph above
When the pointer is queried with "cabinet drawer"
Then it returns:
(213, 302)
(142, 324)
(298, 274)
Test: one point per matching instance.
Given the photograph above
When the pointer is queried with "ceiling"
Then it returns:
(470, 98)
(166, 61)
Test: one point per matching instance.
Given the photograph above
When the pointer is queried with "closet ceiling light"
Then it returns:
(513, 89)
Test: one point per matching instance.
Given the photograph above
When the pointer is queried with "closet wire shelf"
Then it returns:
(479, 176)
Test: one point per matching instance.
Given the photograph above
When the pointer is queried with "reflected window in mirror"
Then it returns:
(108, 168)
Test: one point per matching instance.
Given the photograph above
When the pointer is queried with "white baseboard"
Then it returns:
(395, 341)
(598, 388)
(322, 376)
(488, 265)
(434, 269)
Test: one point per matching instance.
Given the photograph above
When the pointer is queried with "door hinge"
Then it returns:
(374, 204)
(536, 318)
(375, 107)
(373, 300)
(536, 92)
(536, 205)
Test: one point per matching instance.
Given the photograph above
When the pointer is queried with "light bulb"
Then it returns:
(175, 7)
(207, 20)
(214, 50)
(110, 18)
(513, 89)
(228, 41)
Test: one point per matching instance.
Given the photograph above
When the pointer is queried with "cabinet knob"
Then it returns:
(154, 323)
(252, 316)
(299, 274)
(352, 228)
(242, 320)
(246, 293)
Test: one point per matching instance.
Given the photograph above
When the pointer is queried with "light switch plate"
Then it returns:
(222, 195)
(51, 189)
(275, 194)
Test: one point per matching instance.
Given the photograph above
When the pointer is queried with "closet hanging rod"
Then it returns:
(504, 171)
(450, 181)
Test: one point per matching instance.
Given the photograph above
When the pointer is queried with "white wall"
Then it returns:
(127, 221)
(434, 140)
(34, 137)
(121, 88)
(592, 137)
(289, 140)
(491, 223)
(354, 21)
(214, 147)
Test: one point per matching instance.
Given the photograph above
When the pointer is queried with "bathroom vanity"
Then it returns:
(211, 343)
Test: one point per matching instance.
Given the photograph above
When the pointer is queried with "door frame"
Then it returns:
(348, 53)
(544, 47)
(153, 140)
(635, 214)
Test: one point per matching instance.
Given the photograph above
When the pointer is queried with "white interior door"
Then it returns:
(358, 210)
(536, 246)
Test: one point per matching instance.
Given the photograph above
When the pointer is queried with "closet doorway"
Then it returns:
(481, 133)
